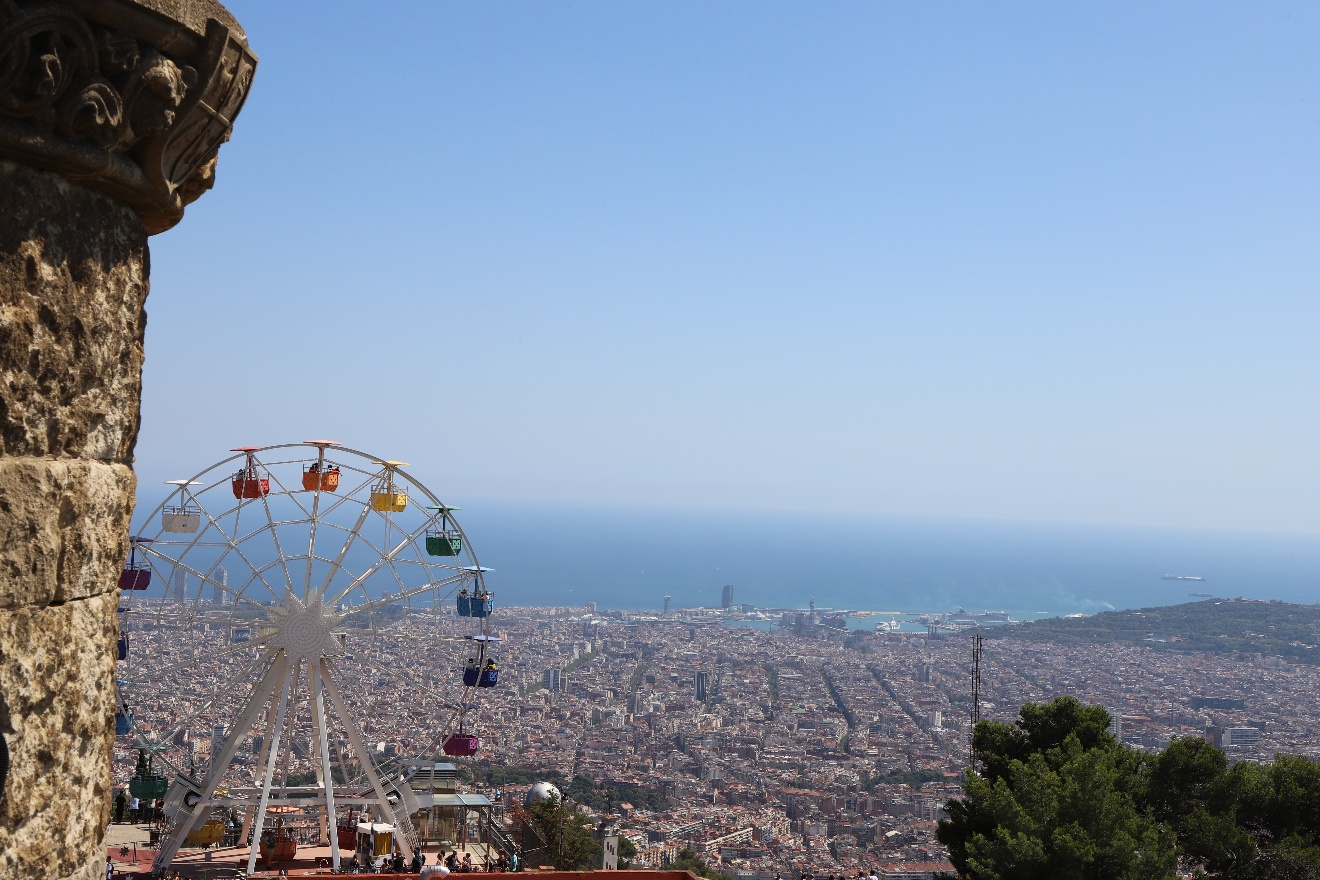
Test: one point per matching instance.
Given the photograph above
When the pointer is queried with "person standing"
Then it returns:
(120, 803)
(133, 805)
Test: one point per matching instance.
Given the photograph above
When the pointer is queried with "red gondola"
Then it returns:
(137, 573)
(250, 486)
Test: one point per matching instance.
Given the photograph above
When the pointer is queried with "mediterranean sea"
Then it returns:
(629, 558)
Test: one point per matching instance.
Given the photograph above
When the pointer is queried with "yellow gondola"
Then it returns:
(211, 833)
(385, 496)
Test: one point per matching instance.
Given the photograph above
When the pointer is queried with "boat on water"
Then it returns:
(961, 619)
(888, 626)
(1202, 595)
(1181, 577)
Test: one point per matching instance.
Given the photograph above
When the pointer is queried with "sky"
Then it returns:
(1019, 261)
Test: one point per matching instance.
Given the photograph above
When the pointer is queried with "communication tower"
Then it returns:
(976, 698)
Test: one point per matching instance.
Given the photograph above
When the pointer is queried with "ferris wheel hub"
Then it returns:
(305, 631)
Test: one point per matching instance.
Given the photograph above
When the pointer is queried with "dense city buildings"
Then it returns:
(767, 751)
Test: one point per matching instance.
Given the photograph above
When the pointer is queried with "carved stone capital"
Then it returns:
(129, 97)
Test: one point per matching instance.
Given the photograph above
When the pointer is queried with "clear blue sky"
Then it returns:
(1044, 261)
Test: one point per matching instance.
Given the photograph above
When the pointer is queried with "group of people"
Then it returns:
(133, 810)
(444, 864)
(453, 863)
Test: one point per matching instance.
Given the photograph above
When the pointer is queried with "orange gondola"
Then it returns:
(248, 482)
(319, 478)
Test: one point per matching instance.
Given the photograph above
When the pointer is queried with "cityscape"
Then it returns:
(768, 751)
(887, 423)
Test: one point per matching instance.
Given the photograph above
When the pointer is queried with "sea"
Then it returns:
(631, 558)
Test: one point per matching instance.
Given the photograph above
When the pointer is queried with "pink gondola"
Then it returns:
(461, 745)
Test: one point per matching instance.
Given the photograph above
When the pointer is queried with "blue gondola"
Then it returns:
(475, 604)
(123, 647)
(123, 722)
(490, 676)
(471, 675)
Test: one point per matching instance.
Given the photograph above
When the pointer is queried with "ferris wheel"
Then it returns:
(293, 599)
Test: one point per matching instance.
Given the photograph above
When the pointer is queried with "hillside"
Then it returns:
(1214, 625)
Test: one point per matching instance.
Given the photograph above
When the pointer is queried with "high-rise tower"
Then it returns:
(219, 580)
(726, 597)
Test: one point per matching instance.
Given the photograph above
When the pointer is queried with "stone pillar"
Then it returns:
(111, 116)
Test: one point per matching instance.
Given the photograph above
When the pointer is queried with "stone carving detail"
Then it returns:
(139, 121)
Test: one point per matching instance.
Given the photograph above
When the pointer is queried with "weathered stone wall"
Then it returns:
(112, 113)
(73, 283)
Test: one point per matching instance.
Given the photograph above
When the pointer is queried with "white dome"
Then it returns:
(541, 791)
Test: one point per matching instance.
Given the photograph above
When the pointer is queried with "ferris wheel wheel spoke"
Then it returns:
(374, 604)
(275, 532)
(383, 561)
(338, 565)
(213, 698)
(160, 673)
(231, 544)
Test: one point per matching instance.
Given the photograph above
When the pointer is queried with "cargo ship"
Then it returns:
(1181, 577)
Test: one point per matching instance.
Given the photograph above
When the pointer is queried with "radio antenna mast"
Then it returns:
(976, 699)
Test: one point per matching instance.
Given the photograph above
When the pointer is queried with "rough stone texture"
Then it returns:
(56, 709)
(132, 98)
(65, 529)
(73, 284)
(112, 113)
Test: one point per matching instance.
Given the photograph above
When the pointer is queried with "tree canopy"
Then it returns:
(1057, 797)
(567, 835)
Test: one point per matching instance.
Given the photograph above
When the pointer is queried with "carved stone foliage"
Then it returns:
(121, 98)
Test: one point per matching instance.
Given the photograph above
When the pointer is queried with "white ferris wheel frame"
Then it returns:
(302, 633)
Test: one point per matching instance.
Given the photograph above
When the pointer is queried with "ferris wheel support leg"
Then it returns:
(318, 711)
(360, 746)
(249, 714)
(277, 729)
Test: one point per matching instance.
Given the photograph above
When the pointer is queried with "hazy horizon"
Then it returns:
(1012, 263)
